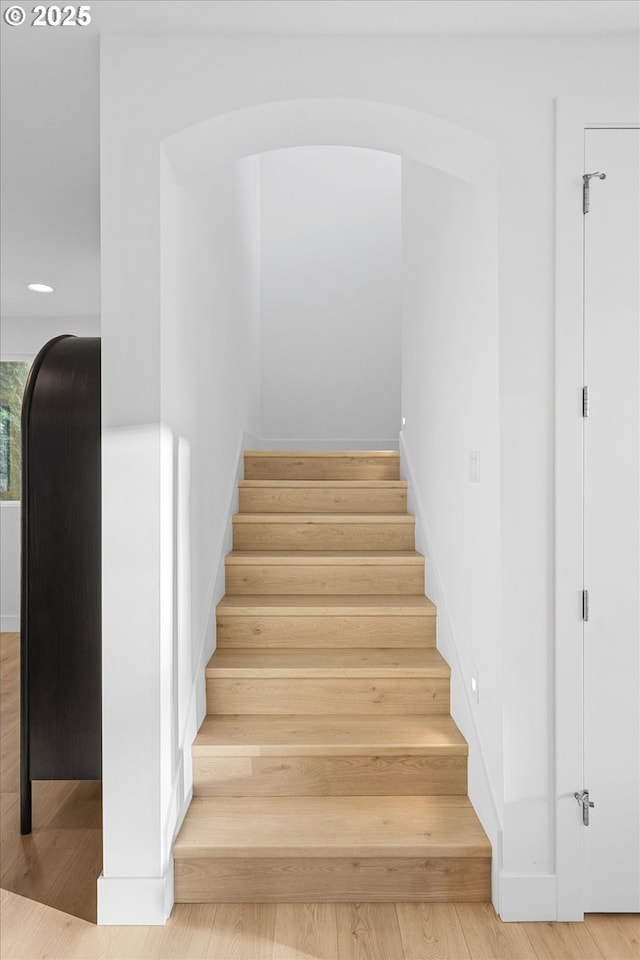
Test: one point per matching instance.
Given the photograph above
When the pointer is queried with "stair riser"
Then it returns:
(323, 536)
(321, 468)
(422, 695)
(331, 500)
(316, 880)
(357, 776)
(337, 632)
(324, 579)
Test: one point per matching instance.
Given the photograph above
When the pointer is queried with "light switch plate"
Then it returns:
(475, 683)
(474, 466)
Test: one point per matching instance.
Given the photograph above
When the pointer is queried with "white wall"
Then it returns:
(331, 297)
(209, 409)
(21, 338)
(10, 565)
(25, 336)
(210, 397)
(491, 86)
(450, 402)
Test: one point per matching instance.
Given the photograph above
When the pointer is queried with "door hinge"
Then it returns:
(585, 803)
(586, 180)
(585, 605)
(585, 401)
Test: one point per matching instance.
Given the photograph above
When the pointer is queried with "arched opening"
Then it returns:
(210, 300)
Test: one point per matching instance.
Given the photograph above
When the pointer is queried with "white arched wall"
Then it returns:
(333, 122)
(145, 772)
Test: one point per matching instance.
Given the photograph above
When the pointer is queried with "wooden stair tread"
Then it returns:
(326, 484)
(332, 663)
(335, 518)
(349, 735)
(331, 827)
(322, 465)
(324, 454)
(318, 605)
(313, 604)
(324, 557)
(328, 767)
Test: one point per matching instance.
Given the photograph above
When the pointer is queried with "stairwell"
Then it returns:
(328, 767)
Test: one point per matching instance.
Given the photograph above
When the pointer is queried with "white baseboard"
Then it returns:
(135, 901)
(271, 443)
(9, 623)
(525, 898)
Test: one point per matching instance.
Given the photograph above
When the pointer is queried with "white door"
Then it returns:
(611, 521)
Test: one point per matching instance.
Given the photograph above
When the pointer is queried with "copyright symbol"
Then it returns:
(14, 16)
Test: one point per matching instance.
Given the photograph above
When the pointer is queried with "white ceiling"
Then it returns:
(50, 109)
(366, 16)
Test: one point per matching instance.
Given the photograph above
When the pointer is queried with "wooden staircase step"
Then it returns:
(328, 767)
(326, 621)
(330, 664)
(346, 735)
(322, 465)
(323, 496)
(332, 826)
(329, 756)
(310, 681)
(324, 572)
(323, 531)
(331, 848)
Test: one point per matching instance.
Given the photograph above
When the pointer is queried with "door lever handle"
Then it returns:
(585, 803)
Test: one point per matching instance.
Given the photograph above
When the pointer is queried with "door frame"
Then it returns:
(574, 115)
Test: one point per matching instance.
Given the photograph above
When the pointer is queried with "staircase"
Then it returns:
(328, 767)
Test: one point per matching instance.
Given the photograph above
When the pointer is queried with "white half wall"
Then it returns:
(450, 404)
(169, 556)
(210, 402)
(331, 296)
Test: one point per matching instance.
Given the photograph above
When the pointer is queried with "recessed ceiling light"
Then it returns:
(40, 287)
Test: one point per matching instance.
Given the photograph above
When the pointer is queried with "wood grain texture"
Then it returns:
(187, 935)
(323, 496)
(309, 827)
(431, 931)
(322, 465)
(328, 776)
(616, 935)
(571, 939)
(313, 572)
(325, 621)
(332, 880)
(367, 930)
(346, 735)
(305, 930)
(333, 632)
(329, 664)
(59, 862)
(328, 696)
(323, 532)
(486, 939)
(32, 929)
(242, 932)
(343, 605)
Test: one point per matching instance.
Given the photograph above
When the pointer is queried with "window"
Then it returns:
(13, 376)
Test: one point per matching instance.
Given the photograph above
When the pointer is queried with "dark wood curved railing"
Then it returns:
(60, 617)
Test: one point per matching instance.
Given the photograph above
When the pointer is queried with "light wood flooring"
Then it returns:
(48, 899)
